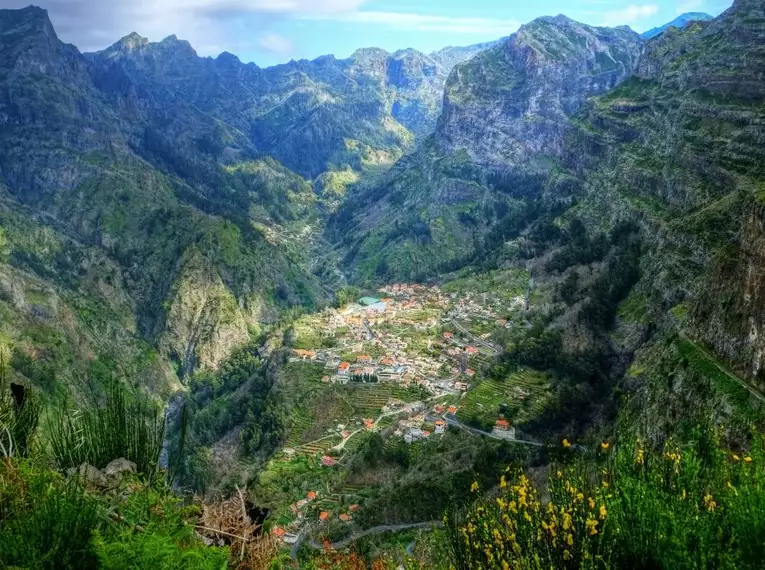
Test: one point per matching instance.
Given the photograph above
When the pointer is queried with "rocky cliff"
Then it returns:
(506, 114)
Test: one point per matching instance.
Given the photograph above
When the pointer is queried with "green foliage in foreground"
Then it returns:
(50, 521)
(680, 508)
(126, 426)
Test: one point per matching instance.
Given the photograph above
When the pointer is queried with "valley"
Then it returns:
(483, 307)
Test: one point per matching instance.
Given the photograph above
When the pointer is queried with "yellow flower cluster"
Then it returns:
(511, 529)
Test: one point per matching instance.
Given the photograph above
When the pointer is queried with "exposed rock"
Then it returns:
(91, 476)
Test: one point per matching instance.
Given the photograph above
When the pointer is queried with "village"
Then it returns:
(412, 335)
(408, 337)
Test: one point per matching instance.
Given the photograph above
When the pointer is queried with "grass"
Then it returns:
(125, 426)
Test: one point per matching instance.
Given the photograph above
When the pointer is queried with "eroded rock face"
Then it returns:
(512, 103)
(203, 323)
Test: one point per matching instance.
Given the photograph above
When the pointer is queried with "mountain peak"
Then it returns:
(31, 19)
(679, 22)
(132, 41)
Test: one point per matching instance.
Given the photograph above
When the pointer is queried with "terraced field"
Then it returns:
(524, 395)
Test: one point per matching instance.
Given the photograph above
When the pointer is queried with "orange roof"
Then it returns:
(425, 433)
(363, 357)
(368, 422)
(353, 508)
(344, 365)
(502, 423)
(452, 410)
(470, 372)
(311, 495)
(345, 518)
(278, 532)
(448, 335)
(471, 349)
(440, 423)
(324, 516)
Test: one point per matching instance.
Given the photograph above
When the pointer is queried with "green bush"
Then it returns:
(698, 506)
(125, 426)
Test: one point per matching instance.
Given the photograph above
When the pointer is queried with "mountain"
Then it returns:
(312, 116)
(679, 22)
(506, 114)
(677, 150)
(174, 191)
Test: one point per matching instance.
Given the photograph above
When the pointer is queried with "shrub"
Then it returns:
(693, 507)
(124, 427)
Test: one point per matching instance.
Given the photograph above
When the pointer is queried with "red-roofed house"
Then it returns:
(365, 358)
(311, 496)
(448, 335)
(471, 350)
(278, 532)
(470, 372)
(438, 409)
(344, 368)
(452, 410)
(345, 518)
(503, 429)
(354, 508)
(324, 516)
(440, 426)
(328, 461)
(369, 423)
(502, 425)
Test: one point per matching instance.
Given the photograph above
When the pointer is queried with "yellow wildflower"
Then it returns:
(505, 565)
(748, 459)
(501, 504)
(592, 526)
(591, 502)
(566, 555)
(559, 474)
(605, 484)
(736, 457)
(605, 445)
(566, 444)
(570, 539)
(684, 494)
(640, 457)
(580, 497)
(502, 482)
(603, 512)
(709, 502)
(474, 487)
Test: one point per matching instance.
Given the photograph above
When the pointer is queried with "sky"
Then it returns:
(269, 32)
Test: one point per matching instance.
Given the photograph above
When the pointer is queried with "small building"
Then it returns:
(503, 429)
(369, 423)
(470, 372)
(278, 532)
(363, 358)
(311, 496)
(471, 350)
(324, 516)
(328, 461)
(440, 426)
(345, 518)
(452, 410)
(448, 335)
(354, 508)
(344, 368)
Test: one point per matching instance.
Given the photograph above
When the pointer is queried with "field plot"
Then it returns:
(522, 394)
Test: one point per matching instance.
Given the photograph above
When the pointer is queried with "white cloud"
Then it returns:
(427, 23)
(95, 24)
(630, 14)
(274, 43)
(689, 6)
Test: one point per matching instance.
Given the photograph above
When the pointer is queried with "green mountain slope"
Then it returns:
(506, 114)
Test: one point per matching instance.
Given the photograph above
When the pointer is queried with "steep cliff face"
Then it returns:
(679, 149)
(506, 114)
(512, 103)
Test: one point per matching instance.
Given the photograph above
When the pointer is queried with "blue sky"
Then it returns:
(275, 31)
